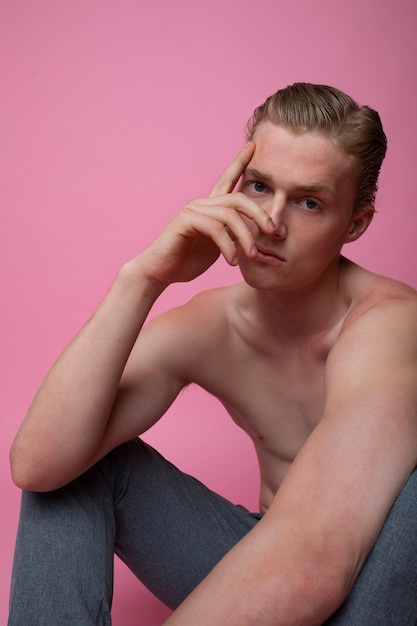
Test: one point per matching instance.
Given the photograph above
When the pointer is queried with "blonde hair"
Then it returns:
(357, 130)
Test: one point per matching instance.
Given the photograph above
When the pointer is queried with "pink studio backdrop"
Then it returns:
(112, 115)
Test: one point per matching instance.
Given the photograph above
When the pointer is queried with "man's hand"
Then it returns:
(206, 228)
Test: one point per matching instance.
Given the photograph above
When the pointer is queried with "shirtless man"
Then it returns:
(313, 356)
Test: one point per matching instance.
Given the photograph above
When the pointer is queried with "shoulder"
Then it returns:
(374, 297)
(209, 311)
(371, 379)
(185, 335)
(379, 331)
(377, 343)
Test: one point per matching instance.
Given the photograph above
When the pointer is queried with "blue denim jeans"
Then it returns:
(171, 530)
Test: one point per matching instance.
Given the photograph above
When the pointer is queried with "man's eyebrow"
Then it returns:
(316, 188)
(252, 172)
(265, 177)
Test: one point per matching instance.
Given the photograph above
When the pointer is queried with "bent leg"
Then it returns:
(171, 530)
(63, 566)
(385, 593)
(166, 526)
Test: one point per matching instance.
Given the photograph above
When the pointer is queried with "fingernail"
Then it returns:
(271, 224)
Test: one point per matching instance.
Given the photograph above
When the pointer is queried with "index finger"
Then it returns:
(231, 175)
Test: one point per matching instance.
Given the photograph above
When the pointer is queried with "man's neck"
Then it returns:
(302, 313)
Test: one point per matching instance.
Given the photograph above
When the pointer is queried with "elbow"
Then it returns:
(308, 596)
(319, 593)
(34, 468)
(21, 473)
(23, 482)
(28, 480)
(28, 473)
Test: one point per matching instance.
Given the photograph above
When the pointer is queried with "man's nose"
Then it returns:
(278, 213)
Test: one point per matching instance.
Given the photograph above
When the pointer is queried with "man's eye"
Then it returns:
(310, 204)
(257, 187)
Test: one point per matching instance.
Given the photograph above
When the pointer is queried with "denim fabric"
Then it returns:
(170, 530)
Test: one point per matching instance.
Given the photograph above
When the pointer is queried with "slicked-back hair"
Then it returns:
(357, 130)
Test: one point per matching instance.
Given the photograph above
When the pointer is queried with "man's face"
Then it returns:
(307, 185)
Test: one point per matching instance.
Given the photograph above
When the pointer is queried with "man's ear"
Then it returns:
(360, 222)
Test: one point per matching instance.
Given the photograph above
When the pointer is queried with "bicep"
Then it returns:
(346, 477)
(152, 379)
(371, 400)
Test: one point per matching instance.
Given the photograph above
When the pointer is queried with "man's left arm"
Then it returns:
(297, 566)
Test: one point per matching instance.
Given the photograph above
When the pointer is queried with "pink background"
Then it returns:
(112, 115)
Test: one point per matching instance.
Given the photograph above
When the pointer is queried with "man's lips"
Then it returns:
(265, 252)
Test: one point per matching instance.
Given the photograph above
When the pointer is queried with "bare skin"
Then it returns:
(313, 356)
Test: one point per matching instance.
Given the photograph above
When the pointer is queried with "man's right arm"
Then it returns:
(115, 380)
(64, 431)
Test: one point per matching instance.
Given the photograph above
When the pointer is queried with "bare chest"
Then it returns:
(278, 404)
(277, 399)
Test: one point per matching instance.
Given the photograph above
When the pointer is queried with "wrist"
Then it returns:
(134, 275)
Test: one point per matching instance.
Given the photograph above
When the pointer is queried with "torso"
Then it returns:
(275, 390)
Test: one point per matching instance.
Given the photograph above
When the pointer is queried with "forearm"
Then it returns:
(68, 416)
(227, 605)
(264, 581)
